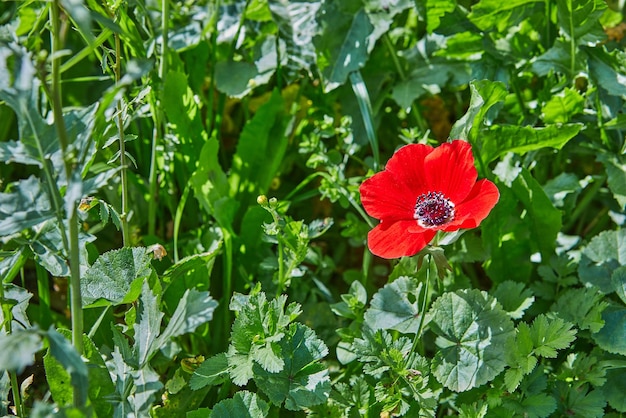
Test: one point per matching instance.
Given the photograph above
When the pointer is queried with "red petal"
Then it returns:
(393, 240)
(449, 169)
(476, 207)
(384, 197)
(407, 166)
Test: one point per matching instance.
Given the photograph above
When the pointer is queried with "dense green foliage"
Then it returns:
(180, 225)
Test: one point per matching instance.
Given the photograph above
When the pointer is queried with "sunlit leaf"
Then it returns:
(472, 332)
(243, 405)
(612, 337)
(391, 308)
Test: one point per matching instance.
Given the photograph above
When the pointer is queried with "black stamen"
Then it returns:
(433, 209)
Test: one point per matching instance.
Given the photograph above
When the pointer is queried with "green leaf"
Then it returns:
(194, 309)
(601, 257)
(562, 106)
(606, 69)
(17, 298)
(579, 20)
(116, 276)
(538, 406)
(618, 280)
(514, 298)
(303, 382)
(435, 9)
(583, 307)
(581, 402)
(391, 308)
(297, 26)
(501, 139)
(63, 352)
(485, 95)
(543, 219)
(559, 59)
(550, 335)
(472, 331)
(343, 43)
(491, 14)
(24, 208)
(260, 151)
(18, 349)
(212, 371)
(243, 405)
(233, 78)
(612, 337)
(148, 326)
(614, 389)
(615, 166)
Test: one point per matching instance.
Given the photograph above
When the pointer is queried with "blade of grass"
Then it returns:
(365, 106)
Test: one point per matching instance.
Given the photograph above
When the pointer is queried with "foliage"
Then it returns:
(181, 230)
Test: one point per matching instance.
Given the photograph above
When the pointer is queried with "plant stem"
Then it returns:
(120, 127)
(76, 307)
(8, 317)
(160, 128)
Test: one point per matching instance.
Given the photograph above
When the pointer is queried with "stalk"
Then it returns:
(120, 128)
(159, 122)
(76, 308)
(15, 387)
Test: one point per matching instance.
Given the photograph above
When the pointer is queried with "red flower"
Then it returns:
(421, 191)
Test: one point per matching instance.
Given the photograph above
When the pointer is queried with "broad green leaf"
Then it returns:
(62, 350)
(194, 309)
(304, 381)
(491, 14)
(233, 78)
(562, 106)
(485, 95)
(550, 335)
(543, 219)
(580, 401)
(618, 280)
(501, 139)
(578, 20)
(243, 405)
(615, 166)
(601, 257)
(260, 151)
(116, 276)
(343, 44)
(212, 371)
(583, 307)
(607, 70)
(514, 298)
(297, 26)
(612, 337)
(391, 308)
(25, 207)
(472, 332)
(537, 406)
(614, 389)
(211, 186)
(18, 349)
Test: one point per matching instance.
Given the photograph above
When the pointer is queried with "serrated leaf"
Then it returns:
(147, 385)
(612, 337)
(606, 69)
(194, 309)
(17, 298)
(267, 356)
(148, 326)
(562, 106)
(304, 381)
(618, 280)
(583, 307)
(116, 276)
(391, 308)
(211, 372)
(243, 405)
(240, 367)
(472, 332)
(514, 298)
(493, 14)
(538, 406)
(550, 335)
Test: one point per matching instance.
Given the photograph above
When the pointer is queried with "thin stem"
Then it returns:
(426, 287)
(120, 127)
(7, 313)
(160, 127)
(178, 217)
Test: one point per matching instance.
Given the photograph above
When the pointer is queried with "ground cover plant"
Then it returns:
(271, 208)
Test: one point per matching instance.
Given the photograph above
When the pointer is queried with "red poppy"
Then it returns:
(421, 191)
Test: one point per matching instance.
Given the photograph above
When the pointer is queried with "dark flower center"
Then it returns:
(433, 209)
